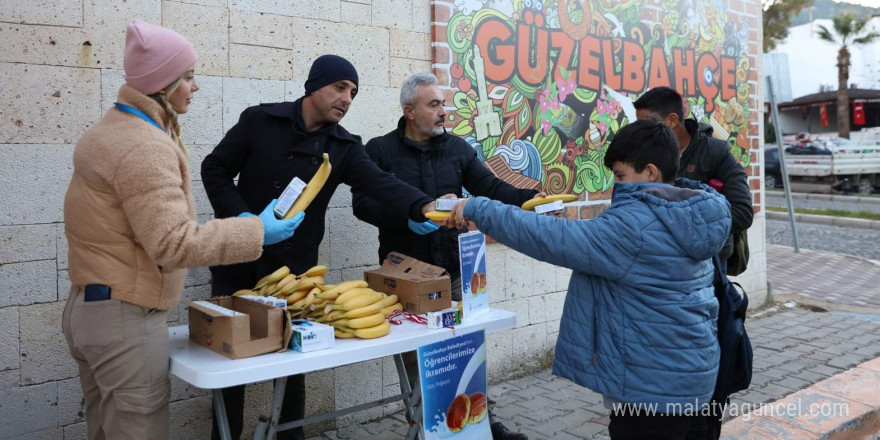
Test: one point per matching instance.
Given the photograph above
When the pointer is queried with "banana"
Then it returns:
(364, 299)
(438, 215)
(296, 296)
(311, 190)
(286, 282)
(244, 292)
(316, 271)
(387, 311)
(351, 293)
(388, 300)
(308, 282)
(531, 203)
(303, 302)
(374, 332)
(343, 335)
(273, 277)
(363, 322)
(264, 291)
(358, 313)
(342, 287)
(326, 287)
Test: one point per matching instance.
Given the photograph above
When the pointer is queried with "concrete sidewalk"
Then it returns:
(805, 358)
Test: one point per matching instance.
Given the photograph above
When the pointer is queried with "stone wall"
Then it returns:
(60, 70)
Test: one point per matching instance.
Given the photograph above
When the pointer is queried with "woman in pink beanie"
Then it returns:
(131, 228)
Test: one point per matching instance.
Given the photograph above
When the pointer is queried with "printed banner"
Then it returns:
(452, 374)
(472, 258)
(540, 87)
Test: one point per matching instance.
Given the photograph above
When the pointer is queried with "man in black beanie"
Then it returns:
(269, 146)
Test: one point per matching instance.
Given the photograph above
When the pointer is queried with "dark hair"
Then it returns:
(661, 100)
(642, 142)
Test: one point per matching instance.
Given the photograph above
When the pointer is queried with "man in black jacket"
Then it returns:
(421, 153)
(269, 146)
(706, 159)
(703, 158)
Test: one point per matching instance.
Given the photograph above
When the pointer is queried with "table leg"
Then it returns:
(277, 400)
(410, 399)
(220, 411)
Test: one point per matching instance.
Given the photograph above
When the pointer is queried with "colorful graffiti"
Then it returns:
(546, 85)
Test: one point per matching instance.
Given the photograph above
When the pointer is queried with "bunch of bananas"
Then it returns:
(351, 307)
(283, 284)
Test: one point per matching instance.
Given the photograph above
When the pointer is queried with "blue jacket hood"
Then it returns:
(689, 209)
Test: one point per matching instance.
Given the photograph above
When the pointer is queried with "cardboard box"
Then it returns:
(419, 286)
(238, 327)
(311, 336)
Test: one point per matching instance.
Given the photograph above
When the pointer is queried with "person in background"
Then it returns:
(708, 160)
(269, 146)
(639, 320)
(422, 154)
(131, 228)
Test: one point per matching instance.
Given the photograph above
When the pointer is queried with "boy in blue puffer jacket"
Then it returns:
(639, 321)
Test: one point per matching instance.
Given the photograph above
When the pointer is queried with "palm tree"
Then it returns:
(850, 30)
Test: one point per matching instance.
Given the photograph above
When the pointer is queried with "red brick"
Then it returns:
(438, 33)
(755, 184)
(591, 211)
(442, 76)
(440, 12)
(753, 156)
(440, 54)
(756, 199)
(735, 5)
(753, 129)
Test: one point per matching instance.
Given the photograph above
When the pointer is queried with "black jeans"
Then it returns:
(293, 408)
(627, 425)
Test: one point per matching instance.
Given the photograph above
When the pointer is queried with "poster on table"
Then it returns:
(472, 257)
(452, 374)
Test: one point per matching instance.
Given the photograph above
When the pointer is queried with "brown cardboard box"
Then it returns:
(419, 286)
(258, 328)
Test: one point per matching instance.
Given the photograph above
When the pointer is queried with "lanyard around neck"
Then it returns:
(138, 113)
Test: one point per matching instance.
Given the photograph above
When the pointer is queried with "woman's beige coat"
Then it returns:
(129, 212)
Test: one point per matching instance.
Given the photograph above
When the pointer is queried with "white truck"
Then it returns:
(830, 166)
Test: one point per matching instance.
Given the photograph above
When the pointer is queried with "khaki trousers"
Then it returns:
(122, 353)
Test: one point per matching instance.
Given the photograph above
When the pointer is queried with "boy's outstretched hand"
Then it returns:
(456, 219)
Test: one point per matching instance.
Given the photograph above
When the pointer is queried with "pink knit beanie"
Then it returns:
(155, 57)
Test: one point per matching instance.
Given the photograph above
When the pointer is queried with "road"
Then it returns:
(863, 243)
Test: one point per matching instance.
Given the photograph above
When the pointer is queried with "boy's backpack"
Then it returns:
(735, 368)
(739, 260)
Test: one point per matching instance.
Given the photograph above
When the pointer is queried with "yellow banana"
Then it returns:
(316, 271)
(342, 287)
(343, 335)
(356, 302)
(438, 215)
(266, 289)
(387, 311)
(244, 292)
(273, 277)
(296, 296)
(311, 190)
(351, 293)
(358, 313)
(373, 332)
(308, 282)
(286, 282)
(363, 322)
(388, 300)
(326, 287)
(531, 203)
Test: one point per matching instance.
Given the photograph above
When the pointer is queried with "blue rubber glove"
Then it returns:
(423, 228)
(275, 230)
(245, 215)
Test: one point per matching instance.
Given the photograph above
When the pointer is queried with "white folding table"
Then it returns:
(206, 369)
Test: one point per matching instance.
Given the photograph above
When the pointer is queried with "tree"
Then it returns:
(777, 19)
(849, 30)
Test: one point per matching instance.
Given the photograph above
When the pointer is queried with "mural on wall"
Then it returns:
(540, 88)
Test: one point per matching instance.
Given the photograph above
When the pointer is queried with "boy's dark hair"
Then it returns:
(642, 142)
(661, 100)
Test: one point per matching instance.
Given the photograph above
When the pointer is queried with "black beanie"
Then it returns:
(328, 69)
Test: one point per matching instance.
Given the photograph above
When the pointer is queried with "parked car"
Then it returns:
(772, 170)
